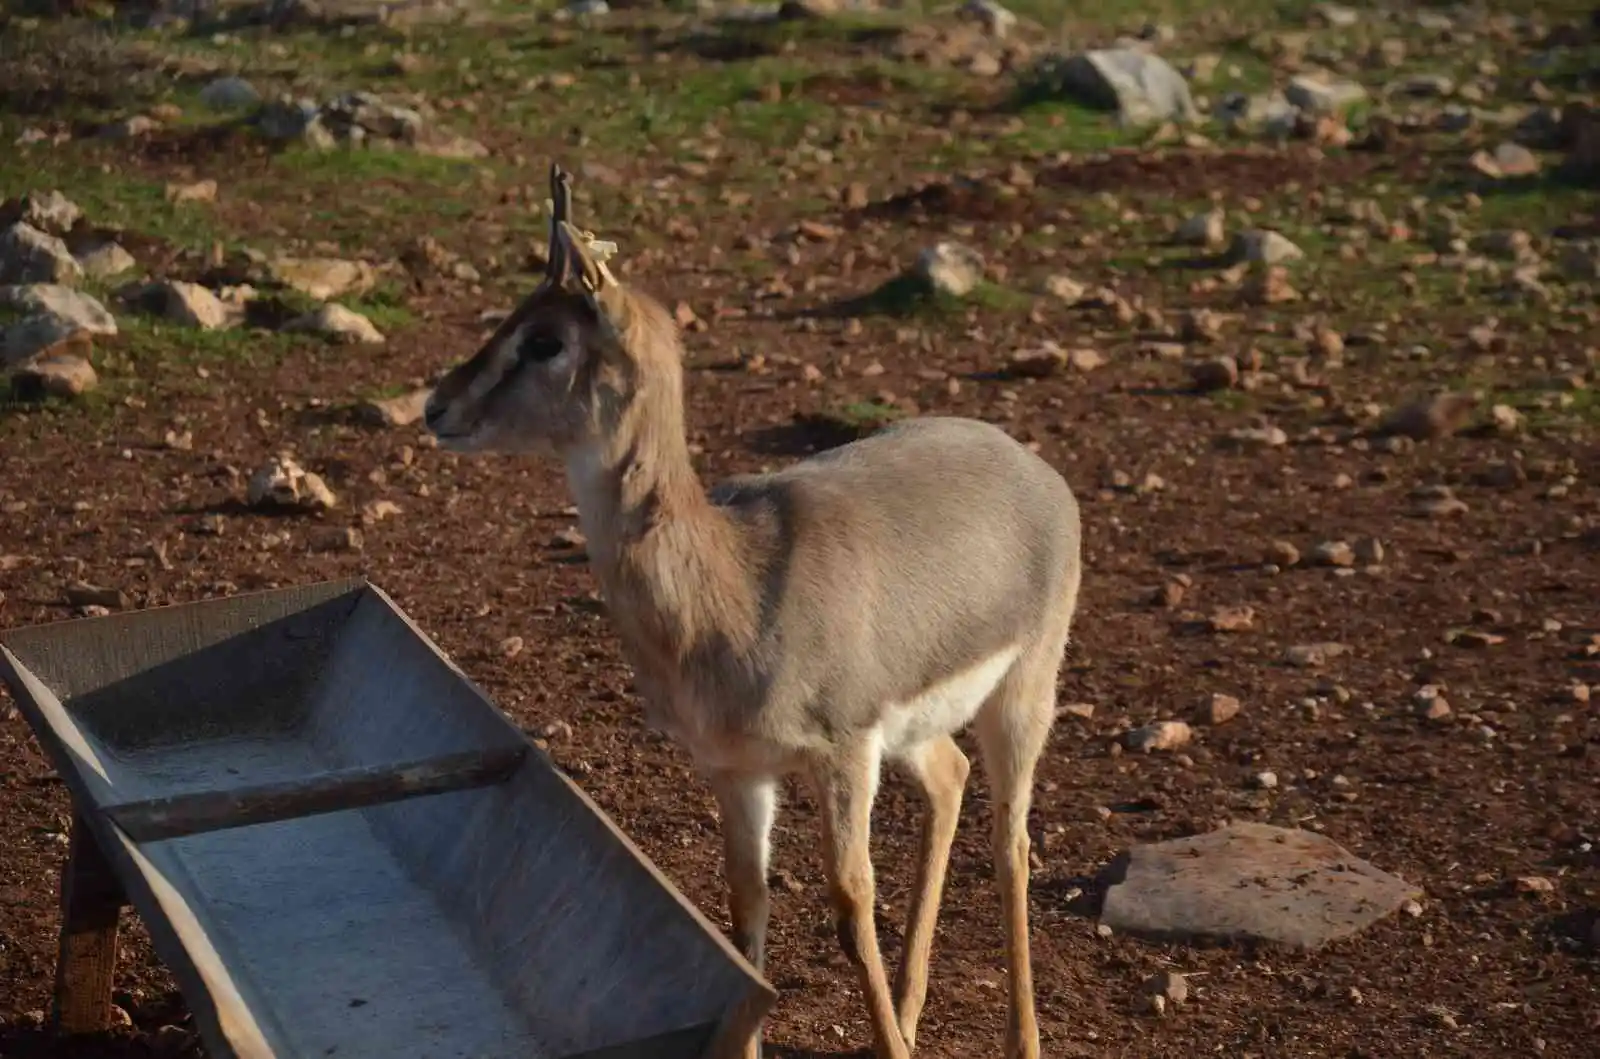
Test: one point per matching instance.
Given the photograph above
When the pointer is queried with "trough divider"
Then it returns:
(154, 819)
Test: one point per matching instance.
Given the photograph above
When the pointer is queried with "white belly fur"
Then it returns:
(946, 707)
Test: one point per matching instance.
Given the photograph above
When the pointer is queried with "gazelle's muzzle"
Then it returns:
(443, 412)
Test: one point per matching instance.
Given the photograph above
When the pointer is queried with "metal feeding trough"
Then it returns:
(341, 848)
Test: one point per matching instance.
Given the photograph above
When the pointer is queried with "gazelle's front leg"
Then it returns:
(846, 785)
(748, 805)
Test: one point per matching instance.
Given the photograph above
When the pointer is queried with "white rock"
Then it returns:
(31, 335)
(1265, 246)
(84, 312)
(131, 128)
(1324, 94)
(1066, 288)
(1507, 160)
(1337, 15)
(54, 314)
(28, 255)
(323, 277)
(361, 116)
(1142, 87)
(1203, 229)
(105, 260)
(950, 268)
(1287, 886)
(1202, 69)
(1163, 735)
(284, 483)
(1258, 437)
(49, 211)
(55, 375)
(338, 323)
(198, 191)
(230, 93)
(1425, 86)
(375, 511)
(458, 148)
(1312, 655)
(399, 411)
(1168, 985)
(996, 20)
(1505, 419)
(1267, 114)
(1333, 553)
(187, 303)
(293, 119)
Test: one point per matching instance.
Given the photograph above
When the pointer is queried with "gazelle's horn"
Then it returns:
(560, 210)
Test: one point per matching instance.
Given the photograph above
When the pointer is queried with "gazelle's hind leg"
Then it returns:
(940, 769)
(846, 785)
(1012, 730)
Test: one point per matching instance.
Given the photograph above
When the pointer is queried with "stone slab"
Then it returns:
(1249, 882)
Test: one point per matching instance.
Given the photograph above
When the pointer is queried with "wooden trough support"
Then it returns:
(339, 846)
(86, 964)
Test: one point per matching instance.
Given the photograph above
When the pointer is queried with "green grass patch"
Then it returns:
(97, 407)
(1052, 124)
(384, 393)
(866, 415)
(1550, 410)
(1538, 204)
(394, 166)
(1131, 14)
(671, 110)
(107, 195)
(753, 39)
(908, 296)
(145, 343)
(1232, 400)
(384, 305)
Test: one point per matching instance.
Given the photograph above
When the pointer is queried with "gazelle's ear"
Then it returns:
(584, 259)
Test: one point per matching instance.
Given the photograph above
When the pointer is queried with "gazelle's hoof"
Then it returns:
(1027, 1048)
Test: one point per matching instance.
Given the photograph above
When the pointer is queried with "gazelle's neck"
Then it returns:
(671, 564)
(626, 488)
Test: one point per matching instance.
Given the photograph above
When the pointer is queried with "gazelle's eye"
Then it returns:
(539, 346)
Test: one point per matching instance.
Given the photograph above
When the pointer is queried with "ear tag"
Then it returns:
(602, 250)
(599, 251)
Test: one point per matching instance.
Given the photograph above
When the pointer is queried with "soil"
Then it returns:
(1507, 787)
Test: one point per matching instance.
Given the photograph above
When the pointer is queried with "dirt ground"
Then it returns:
(728, 176)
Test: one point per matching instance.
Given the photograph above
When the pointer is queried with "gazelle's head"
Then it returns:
(566, 366)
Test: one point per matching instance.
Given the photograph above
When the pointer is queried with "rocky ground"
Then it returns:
(1298, 296)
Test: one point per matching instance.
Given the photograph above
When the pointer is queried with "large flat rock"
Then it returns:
(1249, 882)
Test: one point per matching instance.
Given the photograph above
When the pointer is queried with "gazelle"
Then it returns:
(861, 605)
